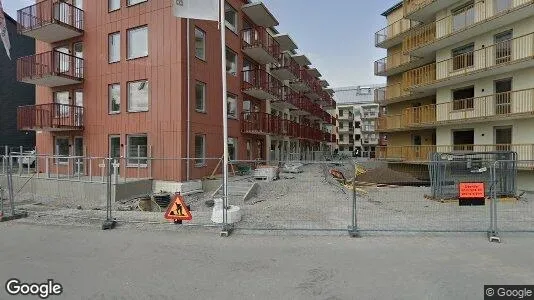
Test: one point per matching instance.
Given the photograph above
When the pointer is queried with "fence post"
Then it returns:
(493, 234)
(109, 223)
(20, 160)
(353, 228)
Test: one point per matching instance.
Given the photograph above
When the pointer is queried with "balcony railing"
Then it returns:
(422, 153)
(480, 11)
(51, 69)
(262, 85)
(391, 93)
(419, 76)
(259, 45)
(411, 117)
(50, 117)
(50, 21)
(316, 89)
(393, 30)
(395, 60)
(288, 69)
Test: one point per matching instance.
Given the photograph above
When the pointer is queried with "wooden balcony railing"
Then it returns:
(259, 37)
(260, 80)
(393, 30)
(411, 6)
(52, 63)
(479, 11)
(50, 116)
(391, 62)
(489, 57)
(409, 118)
(422, 153)
(48, 12)
(419, 76)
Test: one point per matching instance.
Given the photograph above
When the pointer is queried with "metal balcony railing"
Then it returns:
(393, 30)
(258, 37)
(262, 85)
(52, 63)
(50, 117)
(395, 60)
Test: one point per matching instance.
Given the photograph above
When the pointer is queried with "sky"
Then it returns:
(336, 35)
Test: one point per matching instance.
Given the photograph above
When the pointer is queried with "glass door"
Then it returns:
(503, 47)
(78, 62)
(115, 149)
(62, 58)
(503, 90)
(78, 110)
(78, 154)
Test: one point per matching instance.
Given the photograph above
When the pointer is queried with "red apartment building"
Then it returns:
(112, 78)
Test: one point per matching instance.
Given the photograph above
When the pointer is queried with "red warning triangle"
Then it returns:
(177, 210)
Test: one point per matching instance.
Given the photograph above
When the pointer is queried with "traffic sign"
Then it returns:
(177, 210)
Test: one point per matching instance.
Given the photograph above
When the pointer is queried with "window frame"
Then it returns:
(200, 161)
(109, 6)
(129, 97)
(462, 10)
(129, 163)
(61, 160)
(233, 28)
(235, 98)
(228, 49)
(130, 5)
(110, 111)
(198, 29)
(118, 33)
(204, 89)
(463, 57)
(128, 42)
(464, 103)
(232, 141)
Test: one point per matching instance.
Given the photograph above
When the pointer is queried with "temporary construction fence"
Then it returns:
(334, 196)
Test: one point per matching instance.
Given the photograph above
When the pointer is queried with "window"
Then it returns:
(200, 96)
(502, 5)
(463, 98)
(137, 42)
(231, 62)
(63, 99)
(246, 106)
(341, 113)
(230, 17)
(200, 150)
(503, 46)
(463, 57)
(114, 98)
(232, 148)
(137, 149)
(114, 5)
(463, 16)
(249, 150)
(62, 149)
(138, 96)
(200, 44)
(134, 2)
(114, 47)
(231, 106)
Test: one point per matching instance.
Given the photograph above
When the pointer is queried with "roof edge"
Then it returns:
(391, 9)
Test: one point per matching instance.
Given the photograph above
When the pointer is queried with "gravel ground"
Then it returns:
(308, 200)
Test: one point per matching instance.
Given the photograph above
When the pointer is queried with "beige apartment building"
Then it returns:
(460, 77)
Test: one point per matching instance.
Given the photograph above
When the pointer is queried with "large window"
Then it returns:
(200, 150)
(231, 62)
(114, 5)
(463, 57)
(61, 149)
(137, 42)
(62, 98)
(463, 16)
(463, 98)
(114, 47)
(200, 44)
(138, 96)
(232, 148)
(134, 2)
(137, 149)
(231, 106)
(114, 98)
(230, 16)
(200, 96)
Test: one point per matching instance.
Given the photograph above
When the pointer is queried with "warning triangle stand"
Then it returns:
(178, 210)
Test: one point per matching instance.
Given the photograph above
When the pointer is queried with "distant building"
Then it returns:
(12, 92)
(356, 125)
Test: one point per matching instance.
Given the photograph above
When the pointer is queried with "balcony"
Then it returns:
(261, 85)
(302, 83)
(288, 69)
(345, 129)
(259, 45)
(472, 21)
(325, 99)
(300, 103)
(397, 63)
(50, 117)
(259, 123)
(422, 153)
(316, 90)
(393, 93)
(420, 76)
(346, 117)
(502, 106)
(411, 118)
(423, 9)
(50, 69)
(393, 33)
(50, 21)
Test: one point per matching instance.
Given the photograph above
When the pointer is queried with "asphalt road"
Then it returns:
(133, 264)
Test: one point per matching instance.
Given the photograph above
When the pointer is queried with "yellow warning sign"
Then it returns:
(177, 210)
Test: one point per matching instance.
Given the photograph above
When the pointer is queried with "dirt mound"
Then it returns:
(387, 176)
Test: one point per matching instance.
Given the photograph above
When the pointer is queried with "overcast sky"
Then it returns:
(337, 35)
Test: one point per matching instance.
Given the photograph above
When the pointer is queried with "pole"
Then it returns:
(224, 112)
(188, 101)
